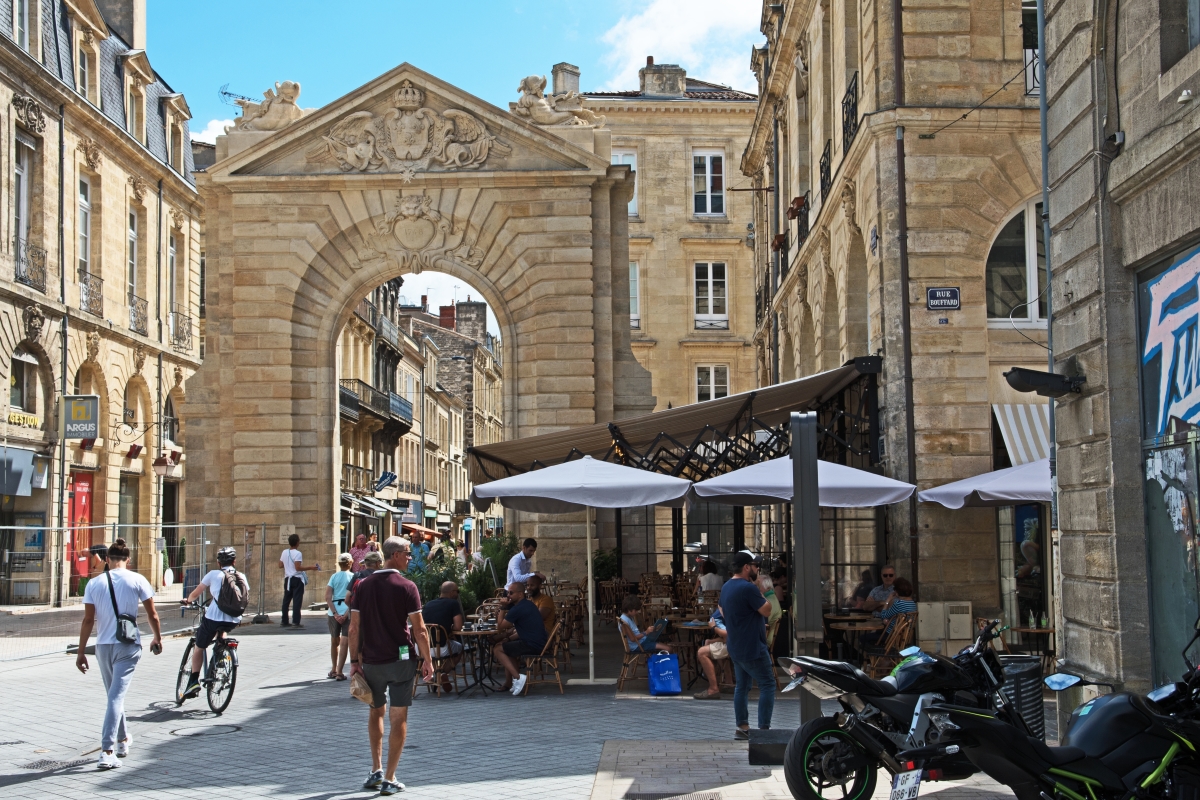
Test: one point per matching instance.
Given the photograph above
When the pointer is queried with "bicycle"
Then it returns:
(220, 673)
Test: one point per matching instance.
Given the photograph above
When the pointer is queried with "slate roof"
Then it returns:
(695, 90)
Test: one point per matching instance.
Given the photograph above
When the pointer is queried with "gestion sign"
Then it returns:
(81, 416)
(942, 299)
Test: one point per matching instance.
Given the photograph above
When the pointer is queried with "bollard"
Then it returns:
(261, 617)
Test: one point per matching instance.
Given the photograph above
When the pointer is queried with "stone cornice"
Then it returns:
(782, 54)
(585, 179)
(1147, 160)
(746, 107)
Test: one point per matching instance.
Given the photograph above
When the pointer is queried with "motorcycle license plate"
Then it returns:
(906, 785)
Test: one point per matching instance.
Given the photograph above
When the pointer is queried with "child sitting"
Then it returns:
(641, 642)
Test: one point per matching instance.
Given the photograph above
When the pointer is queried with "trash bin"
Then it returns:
(1023, 687)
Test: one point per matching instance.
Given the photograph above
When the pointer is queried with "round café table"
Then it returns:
(481, 663)
(863, 626)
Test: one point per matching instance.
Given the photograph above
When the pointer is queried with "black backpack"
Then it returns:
(234, 596)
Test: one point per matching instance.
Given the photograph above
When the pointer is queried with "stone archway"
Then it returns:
(404, 174)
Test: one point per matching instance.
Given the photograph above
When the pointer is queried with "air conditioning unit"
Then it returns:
(950, 621)
(960, 624)
(931, 621)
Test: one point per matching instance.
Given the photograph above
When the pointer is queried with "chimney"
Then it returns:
(566, 78)
(424, 302)
(472, 320)
(446, 317)
(662, 80)
(128, 19)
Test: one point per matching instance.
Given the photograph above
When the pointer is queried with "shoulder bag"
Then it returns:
(127, 629)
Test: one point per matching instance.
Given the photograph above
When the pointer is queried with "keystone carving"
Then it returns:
(139, 187)
(91, 153)
(415, 236)
(557, 109)
(277, 110)
(848, 205)
(29, 113)
(178, 375)
(139, 358)
(93, 346)
(88, 38)
(35, 320)
(801, 69)
(407, 139)
(177, 219)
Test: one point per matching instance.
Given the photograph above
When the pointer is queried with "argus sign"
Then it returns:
(81, 416)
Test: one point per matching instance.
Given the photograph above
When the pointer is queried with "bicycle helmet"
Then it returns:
(226, 556)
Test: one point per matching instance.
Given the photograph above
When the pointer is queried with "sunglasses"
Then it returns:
(889, 574)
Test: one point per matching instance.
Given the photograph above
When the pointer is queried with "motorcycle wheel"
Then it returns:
(823, 762)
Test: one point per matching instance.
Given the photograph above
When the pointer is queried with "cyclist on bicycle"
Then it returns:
(215, 621)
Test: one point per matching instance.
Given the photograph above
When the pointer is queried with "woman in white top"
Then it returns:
(291, 562)
(710, 581)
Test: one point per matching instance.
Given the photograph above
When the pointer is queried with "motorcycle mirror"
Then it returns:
(789, 665)
(1061, 680)
(910, 651)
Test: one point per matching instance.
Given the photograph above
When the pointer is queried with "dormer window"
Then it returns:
(85, 72)
(135, 112)
(21, 23)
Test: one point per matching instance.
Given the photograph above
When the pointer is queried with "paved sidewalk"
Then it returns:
(291, 733)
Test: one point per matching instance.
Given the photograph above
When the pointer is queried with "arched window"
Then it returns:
(170, 421)
(22, 382)
(1016, 269)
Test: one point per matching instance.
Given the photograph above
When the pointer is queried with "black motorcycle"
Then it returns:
(838, 758)
(1117, 746)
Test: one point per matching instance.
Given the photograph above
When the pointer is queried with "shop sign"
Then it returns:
(945, 298)
(82, 416)
(23, 419)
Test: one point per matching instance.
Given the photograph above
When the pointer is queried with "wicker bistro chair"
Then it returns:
(539, 667)
(444, 666)
(629, 666)
(878, 661)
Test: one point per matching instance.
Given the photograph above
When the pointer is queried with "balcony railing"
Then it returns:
(31, 265)
(369, 398)
(850, 113)
(358, 480)
(407, 487)
(1032, 82)
(400, 409)
(180, 325)
(635, 323)
(826, 169)
(367, 311)
(712, 324)
(91, 294)
(760, 305)
(347, 404)
(389, 332)
(139, 315)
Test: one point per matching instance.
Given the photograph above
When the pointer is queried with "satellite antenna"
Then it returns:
(230, 98)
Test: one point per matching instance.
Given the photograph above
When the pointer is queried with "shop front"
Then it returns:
(27, 571)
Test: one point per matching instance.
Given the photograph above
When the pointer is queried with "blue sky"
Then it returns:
(485, 48)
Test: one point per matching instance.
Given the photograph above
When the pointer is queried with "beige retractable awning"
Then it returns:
(1025, 429)
(770, 405)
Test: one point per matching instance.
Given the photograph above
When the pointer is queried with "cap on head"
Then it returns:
(373, 559)
(345, 558)
(741, 559)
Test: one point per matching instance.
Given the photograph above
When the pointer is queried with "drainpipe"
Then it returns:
(914, 544)
(775, 183)
(1043, 107)
(62, 299)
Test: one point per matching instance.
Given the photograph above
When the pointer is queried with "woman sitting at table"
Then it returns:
(710, 652)
(640, 642)
(898, 603)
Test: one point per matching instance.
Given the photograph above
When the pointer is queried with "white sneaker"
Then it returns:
(518, 685)
(123, 747)
(107, 761)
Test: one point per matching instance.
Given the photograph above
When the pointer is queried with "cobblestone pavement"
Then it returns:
(290, 733)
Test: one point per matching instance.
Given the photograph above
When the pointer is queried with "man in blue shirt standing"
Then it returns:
(746, 611)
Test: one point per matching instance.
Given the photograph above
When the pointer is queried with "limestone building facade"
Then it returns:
(895, 162)
(1124, 260)
(99, 292)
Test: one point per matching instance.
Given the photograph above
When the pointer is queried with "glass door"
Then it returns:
(1171, 508)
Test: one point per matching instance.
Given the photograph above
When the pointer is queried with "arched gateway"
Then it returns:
(404, 174)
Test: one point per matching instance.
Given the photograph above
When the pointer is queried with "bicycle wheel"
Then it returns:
(185, 672)
(224, 679)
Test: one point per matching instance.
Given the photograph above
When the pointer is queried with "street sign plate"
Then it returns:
(82, 413)
(945, 298)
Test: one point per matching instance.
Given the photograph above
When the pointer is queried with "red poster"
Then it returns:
(80, 518)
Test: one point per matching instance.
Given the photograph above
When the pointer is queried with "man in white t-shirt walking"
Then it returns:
(116, 591)
(215, 621)
(291, 562)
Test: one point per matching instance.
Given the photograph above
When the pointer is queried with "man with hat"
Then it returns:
(746, 612)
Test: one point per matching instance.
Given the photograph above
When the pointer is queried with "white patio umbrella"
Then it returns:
(771, 481)
(1028, 483)
(577, 485)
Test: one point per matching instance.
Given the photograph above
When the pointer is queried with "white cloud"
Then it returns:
(711, 39)
(215, 128)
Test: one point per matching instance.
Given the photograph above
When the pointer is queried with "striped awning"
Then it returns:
(1026, 431)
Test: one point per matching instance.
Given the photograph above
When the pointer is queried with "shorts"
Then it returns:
(515, 648)
(337, 629)
(395, 680)
(453, 648)
(718, 651)
(208, 630)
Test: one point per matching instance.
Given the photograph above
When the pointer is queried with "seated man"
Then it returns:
(543, 601)
(447, 612)
(899, 603)
(880, 594)
(640, 642)
(712, 651)
(520, 616)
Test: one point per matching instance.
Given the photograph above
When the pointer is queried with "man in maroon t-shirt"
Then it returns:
(386, 651)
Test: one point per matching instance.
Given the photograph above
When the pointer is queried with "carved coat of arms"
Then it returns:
(415, 236)
(407, 139)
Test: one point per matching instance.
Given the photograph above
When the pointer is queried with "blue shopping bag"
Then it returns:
(663, 670)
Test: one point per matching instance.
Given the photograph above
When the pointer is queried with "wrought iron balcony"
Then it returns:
(400, 409)
(802, 229)
(826, 169)
(91, 293)
(347, 404)
(139, 315)
(389, 332)
(358, 480)
(31, 264)
(635, 323)
(1032, 79)
(850, 119)
(367, 312)
(712, 324)
(180, 325)
(370, 399)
